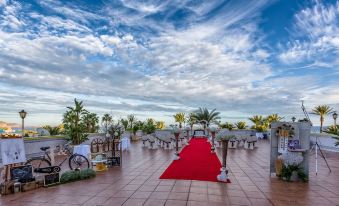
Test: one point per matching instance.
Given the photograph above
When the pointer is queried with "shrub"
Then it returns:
(72, 176)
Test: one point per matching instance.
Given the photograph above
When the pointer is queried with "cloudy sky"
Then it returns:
(153, 58)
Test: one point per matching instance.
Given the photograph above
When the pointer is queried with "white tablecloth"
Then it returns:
(125, 143)
(82, 150)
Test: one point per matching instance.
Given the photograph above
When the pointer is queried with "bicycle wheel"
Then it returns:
(78, 162)
(38, 162)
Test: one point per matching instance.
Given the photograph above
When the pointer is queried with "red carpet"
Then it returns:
(196, 163)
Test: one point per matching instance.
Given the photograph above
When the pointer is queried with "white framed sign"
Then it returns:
(12, 151)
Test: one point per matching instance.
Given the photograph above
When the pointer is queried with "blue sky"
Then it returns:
(154, 58)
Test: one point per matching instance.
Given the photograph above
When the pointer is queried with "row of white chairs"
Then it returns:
(167, 142)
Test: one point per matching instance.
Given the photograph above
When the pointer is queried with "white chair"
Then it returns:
(144, 140)
(233, 143)
(250, 142)
(152, 142)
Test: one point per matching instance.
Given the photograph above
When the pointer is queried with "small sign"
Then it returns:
(52, 169)
(52, 179)
(22, 173)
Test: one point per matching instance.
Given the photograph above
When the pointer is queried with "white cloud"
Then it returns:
(319, 28)
(135, 64)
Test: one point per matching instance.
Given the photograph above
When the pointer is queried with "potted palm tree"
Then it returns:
(322, 111)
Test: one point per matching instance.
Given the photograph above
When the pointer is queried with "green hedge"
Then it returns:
(72, 176)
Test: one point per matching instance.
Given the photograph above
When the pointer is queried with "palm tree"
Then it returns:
(259, 123)
(160, 124)
(206, 117)
(227, 125)
(191, 120)
(180, 118)
(74, 127)
(124, 123)
(52, 130)
(241, 125)
(273, 118)
(106, 120)
(91, 121)
(322, 111)
(131, 119)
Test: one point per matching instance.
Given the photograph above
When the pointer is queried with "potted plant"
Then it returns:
(292, 169)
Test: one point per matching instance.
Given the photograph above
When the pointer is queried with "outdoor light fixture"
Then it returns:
(293, 119)
(23, 114)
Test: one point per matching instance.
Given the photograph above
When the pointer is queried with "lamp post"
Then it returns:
(176, 131)
(213, 131)
(293, 119)
(23, 114)
(335, 115)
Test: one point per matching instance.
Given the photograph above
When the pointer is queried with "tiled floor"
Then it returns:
(137, 183)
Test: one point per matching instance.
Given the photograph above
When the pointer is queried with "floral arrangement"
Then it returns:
(285, 131)
(292, 158)
(176, 130)
(292, 165)
(213, 129)
(224, 136)
(9, 136)
(188, 128)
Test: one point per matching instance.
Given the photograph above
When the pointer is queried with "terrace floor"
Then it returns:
(137, 183)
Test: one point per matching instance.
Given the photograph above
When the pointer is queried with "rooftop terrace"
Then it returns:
(137, 183)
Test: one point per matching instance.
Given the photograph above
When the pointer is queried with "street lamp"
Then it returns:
(293, 119)
(23, 114)
(335, 115)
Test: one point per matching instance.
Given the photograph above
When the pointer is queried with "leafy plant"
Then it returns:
(160, 125)
(287, 171)
(180, 118)
(73, 175)
(227, 125)
(131, 120)
(73, 124)
(137, 126)
(91, 121)
(191, 120)
(273, 118)
(224, 136)
(206, 117)
(240, 125)
(259, 122)
(149, 126)
(124, 123)
(52, 130)
(106, 121)
(322, 111)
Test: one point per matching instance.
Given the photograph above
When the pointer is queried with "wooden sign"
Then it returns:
(52, 179)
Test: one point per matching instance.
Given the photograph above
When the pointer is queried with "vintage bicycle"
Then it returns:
(75, 161)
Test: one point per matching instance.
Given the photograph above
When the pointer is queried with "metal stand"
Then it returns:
(315, 147)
